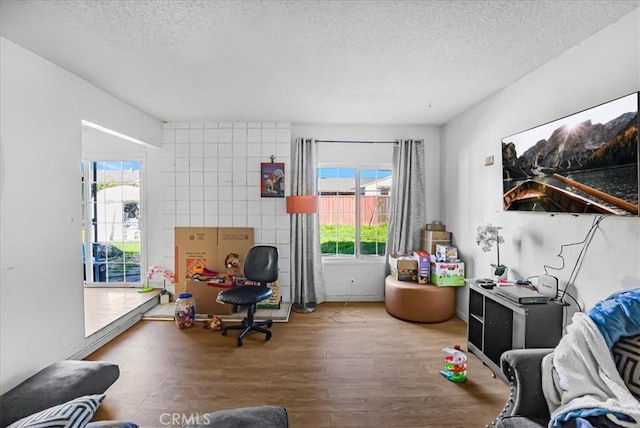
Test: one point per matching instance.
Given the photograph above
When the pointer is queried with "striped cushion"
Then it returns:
(111, 424)
(626, 353)
(72, 414)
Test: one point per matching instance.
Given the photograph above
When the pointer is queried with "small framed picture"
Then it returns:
(272, 180)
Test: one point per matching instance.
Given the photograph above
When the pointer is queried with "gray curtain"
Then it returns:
(408, 212)
(307, 279)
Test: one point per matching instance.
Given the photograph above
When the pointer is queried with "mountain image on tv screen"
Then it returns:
(583, 163)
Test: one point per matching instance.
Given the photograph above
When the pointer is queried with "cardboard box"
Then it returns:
(403, 268)
(447, 274)
(208, 247)
(429, 239)
(435, 235)
(236, 240)
(194, 246)
(424, 266)
(205, 296)
(446, 253)
(438, 227)
(274, 301)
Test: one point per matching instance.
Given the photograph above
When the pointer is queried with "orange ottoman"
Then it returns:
(411, 301)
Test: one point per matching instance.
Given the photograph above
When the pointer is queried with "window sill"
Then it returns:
(337, 260)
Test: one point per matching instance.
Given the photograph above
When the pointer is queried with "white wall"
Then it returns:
(601, 68)
(363, 280)
(208, 174)
(41, 281)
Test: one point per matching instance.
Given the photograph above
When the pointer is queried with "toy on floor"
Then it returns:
(214, 324)
(455, 365)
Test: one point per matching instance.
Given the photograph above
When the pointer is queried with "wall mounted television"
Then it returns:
(583, 163)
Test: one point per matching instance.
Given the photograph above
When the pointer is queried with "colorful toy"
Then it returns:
(202, 270)
(185, 310)
(214, 324)
(455, 365)
(232, 263)
(204, 274)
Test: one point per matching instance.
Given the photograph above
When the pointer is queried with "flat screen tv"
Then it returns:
(583, 163)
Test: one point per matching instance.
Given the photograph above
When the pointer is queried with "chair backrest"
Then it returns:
(261, 264)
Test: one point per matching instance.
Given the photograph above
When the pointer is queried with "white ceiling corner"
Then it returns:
(339, 62)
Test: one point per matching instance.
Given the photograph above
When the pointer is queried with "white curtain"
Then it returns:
(307, 279)
(408, 210)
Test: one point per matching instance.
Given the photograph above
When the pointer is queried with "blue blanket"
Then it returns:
(618, 315)
(580, 380)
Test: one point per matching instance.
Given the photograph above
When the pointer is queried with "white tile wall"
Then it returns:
(210, 177)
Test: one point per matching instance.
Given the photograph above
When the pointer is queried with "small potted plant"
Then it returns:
(487, 236)
(167, 274)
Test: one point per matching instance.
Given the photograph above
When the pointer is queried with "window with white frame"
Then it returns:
(354, 209)
(111, 221)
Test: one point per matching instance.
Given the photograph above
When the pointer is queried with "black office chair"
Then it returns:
(261, 266)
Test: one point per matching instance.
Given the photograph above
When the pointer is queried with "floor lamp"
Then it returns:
(303, 204)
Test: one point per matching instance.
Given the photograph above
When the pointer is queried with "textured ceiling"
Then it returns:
(339, 62)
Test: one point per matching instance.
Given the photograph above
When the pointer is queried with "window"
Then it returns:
(354, 210)
(111, 229)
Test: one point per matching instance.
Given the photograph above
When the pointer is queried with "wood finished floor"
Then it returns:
(380, 373)
(103, 305)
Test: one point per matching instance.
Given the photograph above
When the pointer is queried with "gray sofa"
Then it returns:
(243, 417)
(81, 385)
(526, 406)
(54, 385)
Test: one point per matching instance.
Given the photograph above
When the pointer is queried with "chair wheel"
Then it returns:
(268, 335)
(239, 343)
(224, 331)
(270, 324)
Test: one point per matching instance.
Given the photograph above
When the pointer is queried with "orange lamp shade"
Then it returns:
(302, 204)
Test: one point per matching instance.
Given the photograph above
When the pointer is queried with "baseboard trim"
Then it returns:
(343, 298)
(114, 329)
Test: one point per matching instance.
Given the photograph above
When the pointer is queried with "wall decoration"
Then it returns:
(272, 180)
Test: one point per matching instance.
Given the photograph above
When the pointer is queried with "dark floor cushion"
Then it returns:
(243, 417)
(60, 382)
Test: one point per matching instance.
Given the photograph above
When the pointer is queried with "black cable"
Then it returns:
(565, 312)
(564, 293)
(590, 235)
(595, 223)
(586, 241)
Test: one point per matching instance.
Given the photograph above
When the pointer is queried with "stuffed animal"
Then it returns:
(232, 263)
(214, 324)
